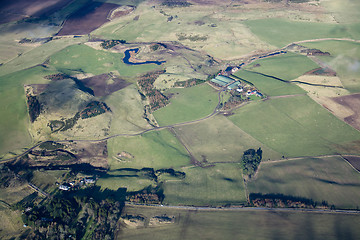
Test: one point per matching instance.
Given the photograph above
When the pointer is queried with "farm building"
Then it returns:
(233, 85)
(222, 80)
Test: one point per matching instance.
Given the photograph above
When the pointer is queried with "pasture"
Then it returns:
(13, 110)
(219, 140)
(283, 32)
(11, 225)
(286, 66)
(244, 224)
(344, 59)
(212, 186)
(268, 85)
(187, 104)
(328, 179)
(156, 149)
(82, 58)
(296, 126)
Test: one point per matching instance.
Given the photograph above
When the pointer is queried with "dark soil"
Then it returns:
(99, 84)
(322, 72)
(19, 9)
(354, 161)
(352, 102)
(87, 19)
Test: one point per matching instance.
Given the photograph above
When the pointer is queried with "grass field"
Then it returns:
(83, 58)
(11, 225)
(219, 140)
(157, 149)
(296, 126)
(13, 110)
(328, 179)
(280, 32)
(269, 86)
(218, 185)
(187, 104)
(286, 66)
(344, 59)
(246, 224)
(127, 110)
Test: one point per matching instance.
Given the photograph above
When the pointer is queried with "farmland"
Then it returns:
(268, 85)
(295, 65)
(328, 179)
(192, 224)
(298, 116)
(187, 104)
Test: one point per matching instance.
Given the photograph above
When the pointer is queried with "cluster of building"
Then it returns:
(83, 182)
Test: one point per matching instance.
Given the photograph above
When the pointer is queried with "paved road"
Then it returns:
(246, 209)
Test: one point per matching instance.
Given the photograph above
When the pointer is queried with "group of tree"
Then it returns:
(250, 161)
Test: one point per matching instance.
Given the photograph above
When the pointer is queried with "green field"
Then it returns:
(344, 59)
(83, 58)
(187, 104)
(127, 111)
(280, 32)
(219, 140)
(269, 86)
(296, 126)
(328, 179)
(245, 224)
(157, 149)
(286, 66)
(218, 185)
(13, 110)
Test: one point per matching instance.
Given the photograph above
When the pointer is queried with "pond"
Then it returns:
(128, 57)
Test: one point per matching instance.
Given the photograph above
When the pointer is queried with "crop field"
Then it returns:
(157, 149)
(269, 86)
(296, 126)
(87, 19)
(219, 140)
(286, 67)
(218, 185)
(127, 110)
(354, 161)
(190, 224)
(351, 103)
(83, 58)
(328, 179)
(187, 104)
(284, 32)
(344, 59)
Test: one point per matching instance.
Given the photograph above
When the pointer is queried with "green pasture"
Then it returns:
(11, 225)
(38, 55)
(127, 111)
(296, 126)
(280, 32)
(13, 110)
(187, 104)
(218, 185)
(328, 179)
(219, 140)
(156, 149)
(286, 66)
(269, 86)
(83, 58)
(344, 59)
(243, 224)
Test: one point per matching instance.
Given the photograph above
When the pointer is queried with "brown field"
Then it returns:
(87, 19)
(354, 161)
(104, 84)
(19, 9)
(352, 103)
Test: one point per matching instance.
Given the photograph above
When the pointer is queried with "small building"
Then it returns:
(64, 187)
(89, 180)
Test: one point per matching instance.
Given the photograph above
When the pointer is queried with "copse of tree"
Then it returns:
(250, 161)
